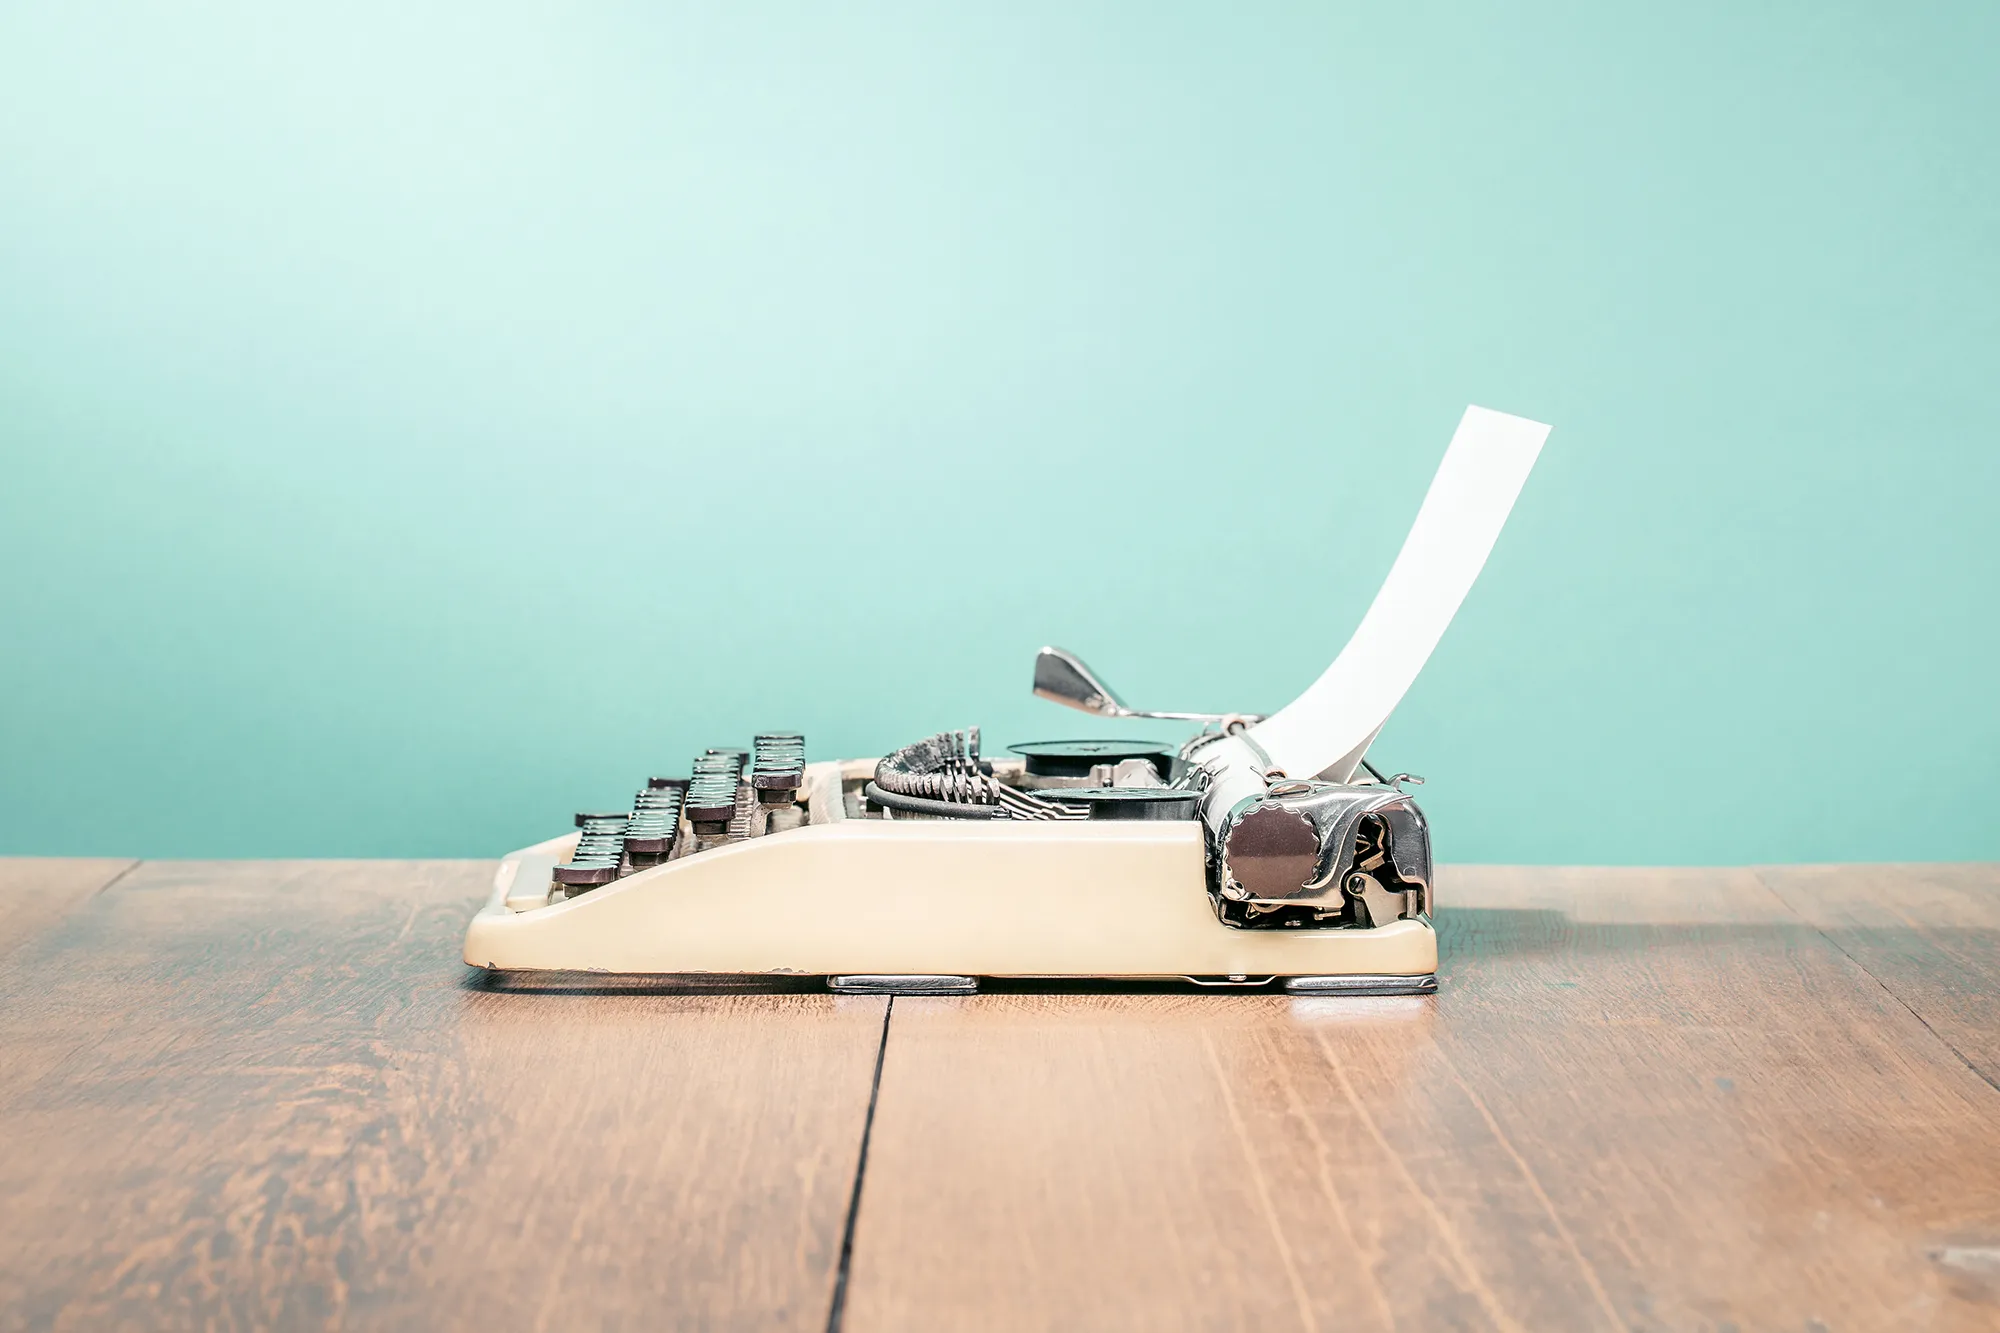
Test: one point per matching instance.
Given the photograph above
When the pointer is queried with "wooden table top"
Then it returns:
(268, 1094)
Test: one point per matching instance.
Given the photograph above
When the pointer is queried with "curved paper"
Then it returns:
(1327, 729)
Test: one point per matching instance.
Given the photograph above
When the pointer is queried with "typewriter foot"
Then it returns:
(1426, 984)
(912, 984)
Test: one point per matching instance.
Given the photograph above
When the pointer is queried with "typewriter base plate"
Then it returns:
(887, 900)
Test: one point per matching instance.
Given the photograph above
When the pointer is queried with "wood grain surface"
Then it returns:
(38, 891)
(270, 1096)
(1642, 1099)
(1929, 933)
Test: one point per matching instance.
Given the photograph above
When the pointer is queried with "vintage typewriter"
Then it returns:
(1256, 850)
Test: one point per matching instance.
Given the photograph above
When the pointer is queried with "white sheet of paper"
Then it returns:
(1331, 724)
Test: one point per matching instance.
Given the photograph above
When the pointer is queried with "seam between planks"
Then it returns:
(99, 890)
(1887, 989)
(11, 942)
(838, 1309)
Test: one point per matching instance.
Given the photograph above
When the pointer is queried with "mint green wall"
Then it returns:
(421, 421)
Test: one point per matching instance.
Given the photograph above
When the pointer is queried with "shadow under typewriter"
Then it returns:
(698, 983)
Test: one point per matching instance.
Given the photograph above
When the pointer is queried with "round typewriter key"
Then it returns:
(1075, 759)
(1129, 802)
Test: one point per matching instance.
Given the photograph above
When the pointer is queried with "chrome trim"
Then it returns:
(1062, 678)
(1293, 844)
(887, 983)
(1426, 984)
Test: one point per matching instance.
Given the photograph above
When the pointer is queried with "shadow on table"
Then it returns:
(1468, 938)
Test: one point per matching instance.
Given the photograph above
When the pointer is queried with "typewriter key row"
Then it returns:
(711, 798)
(715, 802)
(778, 766)
(656, 820)
(600, 853)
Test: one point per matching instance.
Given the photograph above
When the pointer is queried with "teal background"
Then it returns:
(421, 421)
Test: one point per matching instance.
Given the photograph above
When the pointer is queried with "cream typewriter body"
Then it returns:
(1254, 850)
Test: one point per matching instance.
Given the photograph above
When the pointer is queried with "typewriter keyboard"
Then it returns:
(731, 795)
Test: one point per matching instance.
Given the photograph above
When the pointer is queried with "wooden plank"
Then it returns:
(38, 891)
(1644, 1099)
(270, 1095)
(1930, 933)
